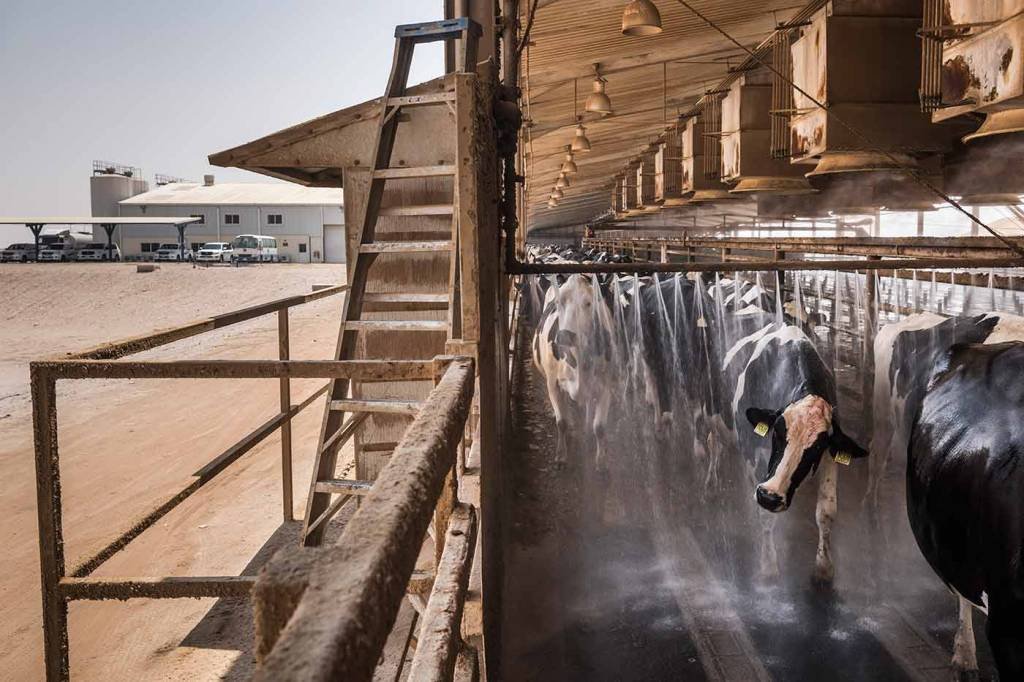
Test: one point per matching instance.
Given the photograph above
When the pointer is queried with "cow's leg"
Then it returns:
(769, 555)
(824, 515)
(965, 654)
(555, 397)
(602, 407)
(1005, 630)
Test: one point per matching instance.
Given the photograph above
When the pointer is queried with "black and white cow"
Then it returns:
(786, 393)
(906, 355)
(965, 492)
(572, 349)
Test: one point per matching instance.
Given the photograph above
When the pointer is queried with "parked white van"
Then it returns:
(18, 253)
(253, 248)
(214, 252)
(171, 252)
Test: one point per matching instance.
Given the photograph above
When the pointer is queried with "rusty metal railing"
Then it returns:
(326, 613)
(60, 586)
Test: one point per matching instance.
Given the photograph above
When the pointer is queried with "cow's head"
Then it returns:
(801, 434)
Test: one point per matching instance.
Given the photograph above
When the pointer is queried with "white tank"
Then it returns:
(105, 191)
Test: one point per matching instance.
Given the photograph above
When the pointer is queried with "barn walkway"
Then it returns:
(605, 581)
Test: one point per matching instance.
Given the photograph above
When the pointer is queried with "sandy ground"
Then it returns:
(126, 446)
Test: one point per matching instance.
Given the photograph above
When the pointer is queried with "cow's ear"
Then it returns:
(842, 445)
(762, 420)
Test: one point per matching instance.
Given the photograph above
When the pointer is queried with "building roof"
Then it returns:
(96, 220)
(237, 193)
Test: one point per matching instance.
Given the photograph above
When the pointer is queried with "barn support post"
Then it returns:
(37, 230)
(51, 536)
(284, 353)
(109, 229)
(870, 327)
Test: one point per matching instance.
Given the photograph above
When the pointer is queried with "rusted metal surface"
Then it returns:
(439, 638)
(191, 587)
(356, 587)
(137, 344)
(984, 69)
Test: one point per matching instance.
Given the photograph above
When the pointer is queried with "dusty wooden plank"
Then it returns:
(344, 486)
(418, 210)
(355, 589)
(440, 637)
(409, 407)
(358, 370)
(398, 325)
(421, 100)
(404, 172)
(194, 587)
(405, 247)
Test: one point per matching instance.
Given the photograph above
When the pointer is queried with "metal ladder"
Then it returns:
(327, 494)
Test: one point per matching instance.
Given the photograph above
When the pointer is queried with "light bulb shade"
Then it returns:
(562, 182)
(641, 18)
(598, 102)
(580, 143)
(552, 203)
(557, 193)
(569, 166)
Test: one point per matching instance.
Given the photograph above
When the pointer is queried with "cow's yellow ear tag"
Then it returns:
(761, 429)
(843, 458)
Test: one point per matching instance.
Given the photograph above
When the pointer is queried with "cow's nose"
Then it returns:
(769, 500)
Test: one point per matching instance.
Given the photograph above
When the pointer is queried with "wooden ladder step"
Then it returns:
(414, 172)
(397, 325)
(422, 100)
(379, 406)
(418, 210)
(395, 302)
(383, 446)
(344, 486)
(405, 247)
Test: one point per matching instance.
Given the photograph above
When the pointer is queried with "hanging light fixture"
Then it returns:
(598, 102)
(569, 165)
(552, 203)
(557, 193)
(580, 143)
(641, 18)
(562, 182)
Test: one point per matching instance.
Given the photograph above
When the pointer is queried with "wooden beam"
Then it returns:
(157, 588)
(440, 637)
(357, 586)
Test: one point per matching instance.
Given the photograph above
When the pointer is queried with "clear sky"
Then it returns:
(161, 85)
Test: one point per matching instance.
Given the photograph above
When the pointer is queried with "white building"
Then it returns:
(308, 222)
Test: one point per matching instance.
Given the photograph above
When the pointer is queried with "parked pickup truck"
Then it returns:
(98, 251)
(214, 252)
(18, 253)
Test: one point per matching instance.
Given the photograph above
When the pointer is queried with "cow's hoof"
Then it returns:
(962, 675)
(822, 583)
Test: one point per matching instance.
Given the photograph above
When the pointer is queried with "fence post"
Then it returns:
(284, 353)
(51, 538)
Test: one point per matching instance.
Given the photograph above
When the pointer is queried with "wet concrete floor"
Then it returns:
(637, 574)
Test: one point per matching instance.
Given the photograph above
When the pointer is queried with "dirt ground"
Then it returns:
(126, 446)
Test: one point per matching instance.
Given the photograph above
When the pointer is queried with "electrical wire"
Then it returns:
(863, 138)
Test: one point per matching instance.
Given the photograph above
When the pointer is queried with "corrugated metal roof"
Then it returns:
(238, 193)
(650, 80)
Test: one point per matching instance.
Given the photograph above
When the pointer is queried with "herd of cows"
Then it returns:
(742, 369)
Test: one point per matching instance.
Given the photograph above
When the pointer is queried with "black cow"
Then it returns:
(906, 354)
(965, 492)
(784, 390)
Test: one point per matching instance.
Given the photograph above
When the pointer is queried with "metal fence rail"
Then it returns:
(58, 586)
(351, 591)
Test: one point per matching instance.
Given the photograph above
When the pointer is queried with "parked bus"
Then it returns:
(253, 248)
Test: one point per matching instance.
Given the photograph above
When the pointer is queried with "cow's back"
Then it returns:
(965, 476)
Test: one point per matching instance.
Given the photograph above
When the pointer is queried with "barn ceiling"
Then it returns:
(650, 79)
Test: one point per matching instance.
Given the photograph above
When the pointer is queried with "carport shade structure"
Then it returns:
(109, 224)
